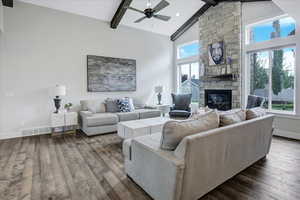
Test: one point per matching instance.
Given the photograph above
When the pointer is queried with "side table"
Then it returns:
(64, 120)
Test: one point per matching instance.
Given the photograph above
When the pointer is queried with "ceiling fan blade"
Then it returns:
(134, 9)
(161, 5)
(140, 19)
(162, 17)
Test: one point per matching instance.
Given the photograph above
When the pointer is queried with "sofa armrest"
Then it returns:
(158, 172)
(85, 114)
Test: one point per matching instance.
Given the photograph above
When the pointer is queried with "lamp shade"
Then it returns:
(158, 89)
(60, 90)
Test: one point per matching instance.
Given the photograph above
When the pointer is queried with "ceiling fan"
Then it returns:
(152, 12)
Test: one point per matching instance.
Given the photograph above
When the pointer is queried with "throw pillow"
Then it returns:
(124, 105)
(131, 105)
(255, 112)
(232, 117)
(94, 106)
(112, 105)
(174, 131)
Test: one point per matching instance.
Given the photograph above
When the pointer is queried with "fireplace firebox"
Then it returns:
(218, 99)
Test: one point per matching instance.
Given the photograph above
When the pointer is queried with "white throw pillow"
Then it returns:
(232, 117)
(94, 106)
(255, 112)
(174, 131)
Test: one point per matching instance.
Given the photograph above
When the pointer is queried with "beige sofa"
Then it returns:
(200, 162)
(102, 122)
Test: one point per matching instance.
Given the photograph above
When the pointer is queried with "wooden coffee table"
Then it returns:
(135, 128)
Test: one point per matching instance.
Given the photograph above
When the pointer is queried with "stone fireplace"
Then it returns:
(221, 23)
(218, 99)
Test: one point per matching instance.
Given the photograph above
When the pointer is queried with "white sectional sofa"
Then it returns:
(200, 162)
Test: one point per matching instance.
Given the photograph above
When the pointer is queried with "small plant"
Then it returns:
(68, 106)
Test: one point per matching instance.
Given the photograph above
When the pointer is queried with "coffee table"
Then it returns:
(135, 128)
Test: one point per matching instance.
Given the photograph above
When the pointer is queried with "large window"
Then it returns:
(188, 69)
(271, 68)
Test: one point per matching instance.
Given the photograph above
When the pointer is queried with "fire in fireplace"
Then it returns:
(218, 99)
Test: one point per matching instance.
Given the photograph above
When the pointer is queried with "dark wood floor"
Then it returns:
(79, 168)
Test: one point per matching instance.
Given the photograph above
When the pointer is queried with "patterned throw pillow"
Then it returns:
(124, 105)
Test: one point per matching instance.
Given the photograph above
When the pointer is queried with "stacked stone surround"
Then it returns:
(221, 23)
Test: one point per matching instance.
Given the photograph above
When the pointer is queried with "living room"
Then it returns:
(58, 58)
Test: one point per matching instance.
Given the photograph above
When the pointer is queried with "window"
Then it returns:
(271, 29)
(272, 75)
(271, 68)
(189, 80)
(188, 69)
(188, 50)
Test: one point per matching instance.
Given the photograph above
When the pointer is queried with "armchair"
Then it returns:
(255, 101)
(181, 105)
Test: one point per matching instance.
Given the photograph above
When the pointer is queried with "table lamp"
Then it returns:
(158, 90)
(59, 90)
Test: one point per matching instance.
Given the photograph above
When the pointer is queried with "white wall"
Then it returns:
(42, 47)
(285, 125)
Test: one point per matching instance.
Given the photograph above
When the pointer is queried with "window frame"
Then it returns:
(270, 45)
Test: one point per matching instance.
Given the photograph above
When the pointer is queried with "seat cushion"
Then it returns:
(174, 131)
(148, 113)
(126, 116)
(102, 119)
(179, 113)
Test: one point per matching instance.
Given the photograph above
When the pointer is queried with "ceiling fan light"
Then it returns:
(148, 4)
(177, 14)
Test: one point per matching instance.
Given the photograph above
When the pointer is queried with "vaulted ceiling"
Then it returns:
(179, 10)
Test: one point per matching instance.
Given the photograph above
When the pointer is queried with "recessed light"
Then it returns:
(177, 14)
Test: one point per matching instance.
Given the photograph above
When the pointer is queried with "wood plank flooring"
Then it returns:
(91, 168)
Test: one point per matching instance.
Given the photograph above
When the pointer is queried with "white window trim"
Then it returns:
(269, 45)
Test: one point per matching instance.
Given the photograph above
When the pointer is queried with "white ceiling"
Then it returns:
(105, 9)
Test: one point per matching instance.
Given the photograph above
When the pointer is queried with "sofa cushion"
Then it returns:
(112, 105)
(147, 113)
(232, 117)
(126, 116)
(102, 119)
(174, 131)
(255, 112)
(94, 106)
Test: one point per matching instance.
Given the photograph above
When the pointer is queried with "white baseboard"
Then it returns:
(286, 134)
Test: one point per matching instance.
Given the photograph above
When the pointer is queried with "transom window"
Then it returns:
(271, 63)
(188, 50)
(271, 29)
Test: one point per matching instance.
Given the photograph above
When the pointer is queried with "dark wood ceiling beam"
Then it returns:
(120, 13)
(190, 22)
(211, 2)
(8, 3)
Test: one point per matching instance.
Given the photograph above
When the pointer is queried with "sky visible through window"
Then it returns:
(188, 50)
(263, 32)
